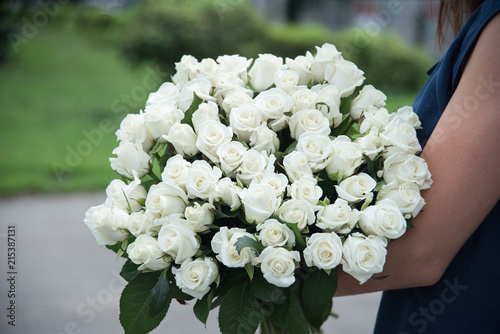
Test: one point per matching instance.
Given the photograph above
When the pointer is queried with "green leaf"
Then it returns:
(134, 305)
(231, 278)
(317, 321)
(188, 116)
(409, 223)
(203, 306)
(371, 167)
(289, 316)
(129, 270)
(160, 298)
(317, 291)
(366, 203)
(343, 126)
(301, 244)
(290, 148)
(264, 290)
(379, 185)
(158, 147)
(248, 242)
(239, 312)
(345, 105)
(123, 247)
(250, 270)
(141, 201)
(118, 248)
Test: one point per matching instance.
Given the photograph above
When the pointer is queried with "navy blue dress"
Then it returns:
(467, 298)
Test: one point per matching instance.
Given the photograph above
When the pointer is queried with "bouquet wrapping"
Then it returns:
(246, 184)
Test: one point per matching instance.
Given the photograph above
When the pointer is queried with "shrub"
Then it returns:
(163, 31)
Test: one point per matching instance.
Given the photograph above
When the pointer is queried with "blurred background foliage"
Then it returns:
(80, 67)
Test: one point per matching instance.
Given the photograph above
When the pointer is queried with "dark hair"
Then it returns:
(453, 13)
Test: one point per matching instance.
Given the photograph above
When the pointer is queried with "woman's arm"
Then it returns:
(463, 154)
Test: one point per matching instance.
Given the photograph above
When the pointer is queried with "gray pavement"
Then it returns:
(65, 284)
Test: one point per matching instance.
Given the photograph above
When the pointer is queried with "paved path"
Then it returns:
(66, 284)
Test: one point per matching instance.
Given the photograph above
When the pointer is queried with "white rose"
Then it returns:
(296, 165)
(176, 171)
(274, 233)
(383, 219)
(259, 202)
(326, 55)
(244, 120)
(183, 138)
(130, 158)
(146, 252)
(303, 98)
(367, 97)
(262, 71)
(317, 148)
(166, 95)
(199, 217)
(338, 217)
(132, 129)
(403, 167)
(274, 103)
(399, 136)
(195, 276)
(236, 64)
(307, 189)
(211, 135)
(208, 68)
(363, 256)
(296, 211)
(309, 120)
(230, 156)
(226, 81)
(409, 116)
(264, 139)
(302, 65)
(159, 119)
(278, 265)
(286, 80)
(138, 223)
(125, 196)
(164, 200)
(206, 111)
(356, 188)
(199, 86)
(374, 117)
(345, 75)
(324, 251)
(226, 191)
(254, 164)
(328, 102)
(186, 69)
(406, 196)
(347, 156)
(107, 224)
(177, 239)
(202, 179)
(276, 180)
(234, 98)
(370, 143)
(223, 244)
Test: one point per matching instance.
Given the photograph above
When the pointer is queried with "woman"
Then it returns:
(444, 275)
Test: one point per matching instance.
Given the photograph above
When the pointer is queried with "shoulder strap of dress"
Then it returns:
(470, 33)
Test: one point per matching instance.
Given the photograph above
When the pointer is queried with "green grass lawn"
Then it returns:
(62, 98)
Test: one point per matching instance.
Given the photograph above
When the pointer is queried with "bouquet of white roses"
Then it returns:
(245, 184)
